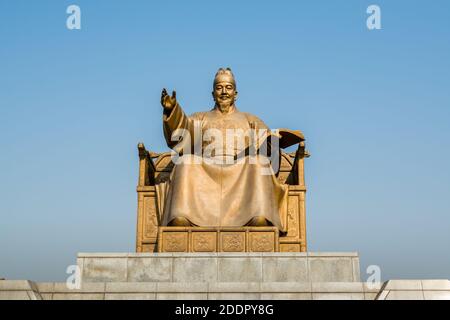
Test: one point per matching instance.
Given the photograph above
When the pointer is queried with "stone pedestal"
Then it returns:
(219, 267)
(216, 276)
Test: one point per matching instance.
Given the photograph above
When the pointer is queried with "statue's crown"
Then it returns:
(224, 75)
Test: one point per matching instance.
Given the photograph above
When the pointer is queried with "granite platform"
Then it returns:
(217, 276)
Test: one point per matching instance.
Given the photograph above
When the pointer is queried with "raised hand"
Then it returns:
(168, 102)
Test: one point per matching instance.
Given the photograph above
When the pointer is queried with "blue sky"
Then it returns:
(374, 107)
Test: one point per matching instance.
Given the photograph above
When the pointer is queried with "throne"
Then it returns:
(151, 236)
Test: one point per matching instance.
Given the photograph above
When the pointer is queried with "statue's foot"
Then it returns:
(180, 222)
(259, 222)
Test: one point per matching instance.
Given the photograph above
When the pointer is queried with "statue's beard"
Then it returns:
(224, 105)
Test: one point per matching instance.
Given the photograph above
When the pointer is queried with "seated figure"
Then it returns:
(226, 170)
(221, 182)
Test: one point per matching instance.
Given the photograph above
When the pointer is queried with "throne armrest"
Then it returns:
(298, 169)
(146, 167)
(289, 138)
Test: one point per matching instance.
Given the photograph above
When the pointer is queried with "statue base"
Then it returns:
(219, 267)
(217, 276)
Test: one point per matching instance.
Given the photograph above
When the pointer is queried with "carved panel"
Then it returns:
(233, 241)
(293, 226)
(175, 242)
(262, 242)
(150, 228)
(218, 239)
(204, 242)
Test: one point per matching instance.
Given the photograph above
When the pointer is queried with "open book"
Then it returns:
(290, 137)
(286, 138)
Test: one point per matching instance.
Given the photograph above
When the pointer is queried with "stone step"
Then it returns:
(209, 290)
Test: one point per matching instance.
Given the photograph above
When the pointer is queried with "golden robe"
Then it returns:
(213, 194)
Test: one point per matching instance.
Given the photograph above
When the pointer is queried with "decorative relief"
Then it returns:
(233, 242)
(204, 241)
(292, 224)
(262, 242)
(175, 242)
(150, 219)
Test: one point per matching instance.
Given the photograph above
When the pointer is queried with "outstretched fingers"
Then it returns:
(163, 95)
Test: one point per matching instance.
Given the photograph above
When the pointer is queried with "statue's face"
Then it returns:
(225, 95)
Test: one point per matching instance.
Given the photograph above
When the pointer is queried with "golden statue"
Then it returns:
(226, 173)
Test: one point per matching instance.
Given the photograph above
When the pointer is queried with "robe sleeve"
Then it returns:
(175, 120)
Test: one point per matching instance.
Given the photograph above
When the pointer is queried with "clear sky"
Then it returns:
(374, 107)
